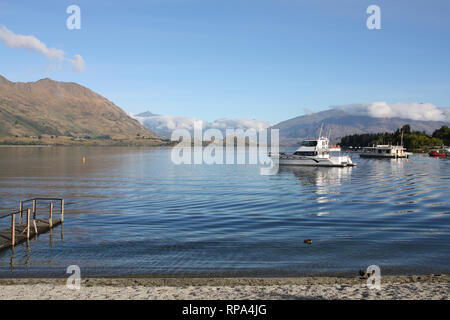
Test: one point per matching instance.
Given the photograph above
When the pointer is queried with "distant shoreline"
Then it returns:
(167, 144)
(93, 143)
(52, 140)
(25, 145)
(77, 145)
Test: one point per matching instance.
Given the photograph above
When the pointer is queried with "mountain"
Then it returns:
(66, 109)
(147, 114)
(165, 125)
(345, 121)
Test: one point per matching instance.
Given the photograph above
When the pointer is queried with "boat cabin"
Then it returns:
(385, 151)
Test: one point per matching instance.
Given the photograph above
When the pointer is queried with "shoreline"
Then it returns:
(227, 281)
(84, 145)
(435, 287)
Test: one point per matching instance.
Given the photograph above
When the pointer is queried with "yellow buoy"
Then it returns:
(84, 160)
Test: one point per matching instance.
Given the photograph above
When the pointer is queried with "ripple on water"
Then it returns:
(133, 211)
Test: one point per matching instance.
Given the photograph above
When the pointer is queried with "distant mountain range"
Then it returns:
(48, 107)
(337, 121)
(164, 125)
(65, 109)
(343, 121)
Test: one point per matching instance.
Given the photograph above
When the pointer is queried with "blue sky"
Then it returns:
(266, 59)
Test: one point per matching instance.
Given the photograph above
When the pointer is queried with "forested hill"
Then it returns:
(411, 139)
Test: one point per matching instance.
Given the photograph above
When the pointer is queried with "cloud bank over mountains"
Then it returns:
(164, 125)
(413, 111)
(54, 56)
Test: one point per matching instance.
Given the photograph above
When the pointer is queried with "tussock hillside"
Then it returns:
(48, 107)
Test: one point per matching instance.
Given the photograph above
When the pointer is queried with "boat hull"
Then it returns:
(313, 162)
(437, 155)
(383, 156)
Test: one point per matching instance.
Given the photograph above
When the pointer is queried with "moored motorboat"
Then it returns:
(315, 152)
(438, 153)
(385, 152)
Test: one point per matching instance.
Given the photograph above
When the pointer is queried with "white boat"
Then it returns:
(385, 151)
(316, 153)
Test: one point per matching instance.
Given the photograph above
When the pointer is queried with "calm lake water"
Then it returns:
(131, 211)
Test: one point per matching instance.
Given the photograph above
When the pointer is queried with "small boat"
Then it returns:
(316, 153)
(385, 151)
(438, 153)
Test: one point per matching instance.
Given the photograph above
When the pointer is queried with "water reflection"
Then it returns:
(323, 184)
(25, 249)
(318, 176)
(12, 258)
(132, 211)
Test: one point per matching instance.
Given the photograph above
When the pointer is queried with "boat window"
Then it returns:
(305, 153)
(309, 143)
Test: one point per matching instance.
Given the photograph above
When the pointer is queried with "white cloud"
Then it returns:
(413, 111)
(168, 122)
(29, 43)
(447, 113)
(164, 125)
(239, 124)
(32, 44)
(78, 64)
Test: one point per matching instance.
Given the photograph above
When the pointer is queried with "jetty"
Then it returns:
(27, 222)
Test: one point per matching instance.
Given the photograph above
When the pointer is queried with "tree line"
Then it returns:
(411, 139)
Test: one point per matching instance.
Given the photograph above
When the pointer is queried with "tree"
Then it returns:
(406, 129)
(443, 133)
(411, 139)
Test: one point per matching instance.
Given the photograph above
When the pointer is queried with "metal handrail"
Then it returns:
(28, 212)
(11, 213)
(35, 204)
(43, 199)
(13, 224)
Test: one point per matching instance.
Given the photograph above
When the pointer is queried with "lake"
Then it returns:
(131, 211)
